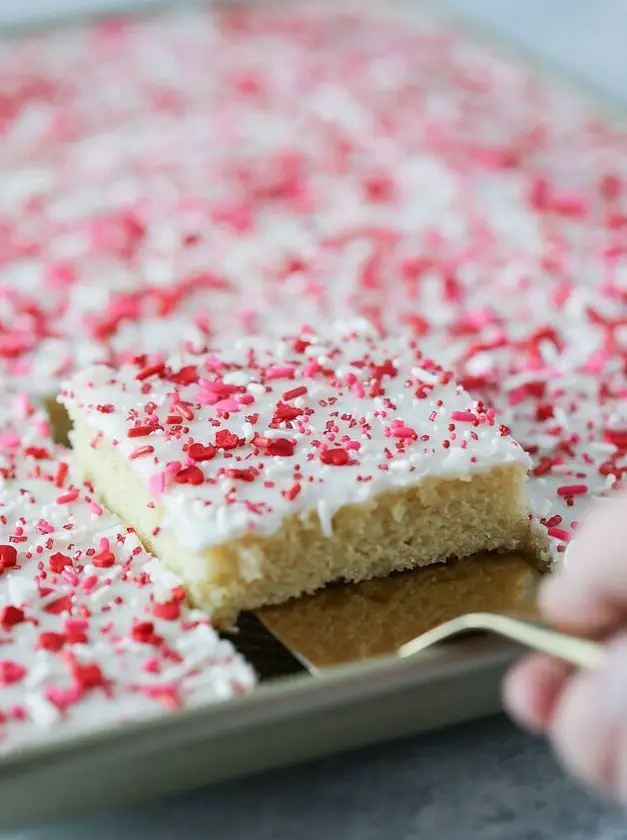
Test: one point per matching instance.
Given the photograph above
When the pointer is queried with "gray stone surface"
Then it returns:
(485, 780)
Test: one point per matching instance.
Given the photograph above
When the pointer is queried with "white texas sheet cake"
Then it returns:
(174, 182)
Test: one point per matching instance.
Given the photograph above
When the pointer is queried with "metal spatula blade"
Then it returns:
(582, 653)
(347, 623)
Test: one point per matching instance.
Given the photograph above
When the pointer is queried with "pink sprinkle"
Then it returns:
(167, 695)
(572, 490)
(23, 400)
(67, 497)
(222, 389)
(401, 431)
(9, 441)
(245, 399)
(286, 372)
(45, 527)
(152, 666)
(75, 624)
(70, 577)
(89, 584)
(596, 362)
(207, 398)
(140, 452)
(311, 369)
(358, 389)
(156, 484)
(63, 697)
(228, 404)
(463, 416)
(248, 320)
(59, 274)
(96, 508)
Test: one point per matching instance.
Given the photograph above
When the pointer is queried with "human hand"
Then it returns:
(584, 713)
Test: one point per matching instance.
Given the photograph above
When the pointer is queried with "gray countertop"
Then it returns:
(485, 780)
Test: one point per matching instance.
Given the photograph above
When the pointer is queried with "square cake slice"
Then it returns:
(268, 469)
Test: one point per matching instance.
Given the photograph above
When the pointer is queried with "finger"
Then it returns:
(589, 593)
(532, 689)
(589, 724)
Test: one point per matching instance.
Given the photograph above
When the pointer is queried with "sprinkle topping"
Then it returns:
(326, 163)
(224, 474)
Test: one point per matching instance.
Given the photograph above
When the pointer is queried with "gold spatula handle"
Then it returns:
(582, 653)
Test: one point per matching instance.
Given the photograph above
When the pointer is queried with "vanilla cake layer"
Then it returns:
(267, 470)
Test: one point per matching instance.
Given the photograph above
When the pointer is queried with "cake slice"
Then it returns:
(266, 470)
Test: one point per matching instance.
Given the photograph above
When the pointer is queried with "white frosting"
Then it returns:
(390, 437)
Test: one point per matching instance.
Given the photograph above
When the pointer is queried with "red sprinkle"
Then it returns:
(201, 452)
(10, 616)
(335, 457)
(572, 490)
(11, 672)
(8, 557)
(103, 560)
(227, 440)
(140, 452)
(144, 633)
(190, 475)
(291, 494)
(279, 447)
(87, 676)
(295, 392)
(58, 562)
(559, 534)
(59, 605)
(249, 474)
(141, 431)
(51, 641)
(169, 611)
(67, 497)
(150, 370)
(463, 416)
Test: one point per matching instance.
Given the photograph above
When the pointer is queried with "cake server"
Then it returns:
(582, 653)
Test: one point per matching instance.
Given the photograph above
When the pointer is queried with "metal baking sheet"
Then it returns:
(355, 697)
(359, 697)
(285, 721)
